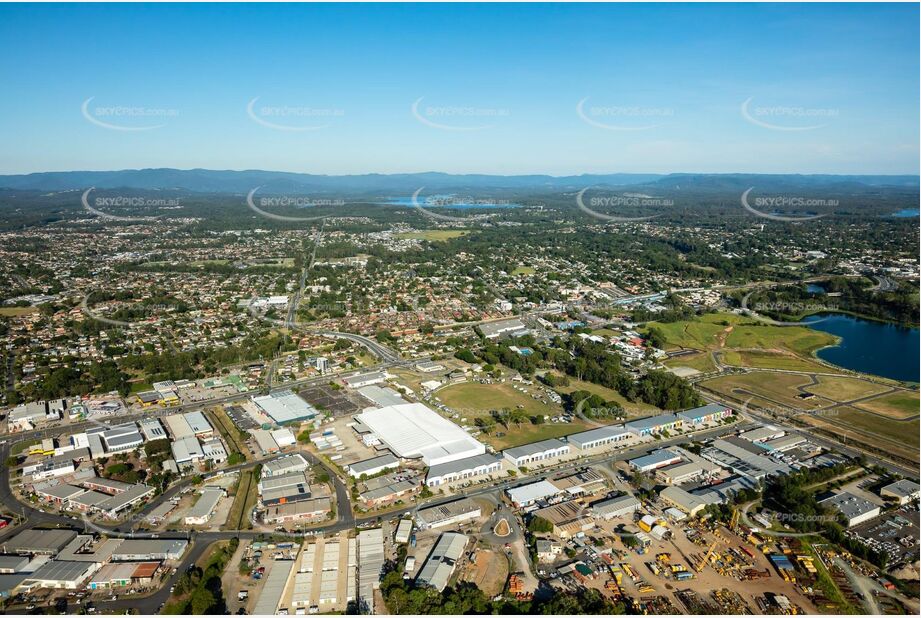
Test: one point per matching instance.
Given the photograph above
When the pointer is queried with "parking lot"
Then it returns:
(337, 402)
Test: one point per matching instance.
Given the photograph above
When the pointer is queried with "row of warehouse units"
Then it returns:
(61, 558)
(170, 392)
(335, 573)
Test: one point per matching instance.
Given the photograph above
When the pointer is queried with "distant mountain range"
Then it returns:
(229, 181)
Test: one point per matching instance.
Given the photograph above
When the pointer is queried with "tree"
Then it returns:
(539, 524)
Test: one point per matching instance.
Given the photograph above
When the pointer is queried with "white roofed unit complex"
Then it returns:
(375, 465)
(285, 407)
(653, 424)
(413, 431)
(705, 414)
(463, 469)
(448, 514)
(536, 452)
(602, 436)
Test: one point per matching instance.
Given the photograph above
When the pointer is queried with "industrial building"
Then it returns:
(201, 513)
(619, 506)
(413, 431)
(285, 407)
(199, 424)
(274, 587)
(653, 424)
(381, 397)
(141, 550)
(375, 465)
(903, 491)
(655, 460)
(526, 495)
(536, 452)
(112, 506)
(448, 514)
(39, 541)
(213, 450)
(284, 465)
(854, 509)
(441, 561)
(365, 379)
(151, 429)
(314, 509)
(568, 518)
(705, 414)
(187, 451)
(120, 438)
(178, 426)
(741, 457)
(602, 436)
(370, 564)
(463, 469)
(106, 486)
(60, 574)
(686, 502)
(509, 328)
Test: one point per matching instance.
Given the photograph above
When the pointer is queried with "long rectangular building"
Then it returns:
(448, 514)
(601, 436)
(536, 452)
(462, 469)
(439, 566)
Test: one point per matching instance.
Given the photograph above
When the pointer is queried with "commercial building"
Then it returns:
(199, 425)
(381, 397)
(596, 438)
(178, 426)
(151, 429)
(365, 379)
(114, 575)
(619, 506)
(187, 451)
(732, 453)
(439, 566)
(264, 441)
(88, 501)
(655, 460)
(653, 424)
(782, 444)
(121, 438)
(274, 587)
(58, 494)
(375, 465)
(413, 431)
(448, 514)
(404, 530)
(679, 473)
(370, 565)
(13, 564)
(203, 511)
(463, 469)
(568, 518)
(387, 489)
(314, 509)
(284, 465)
(526, 495)
(213, 450)
(140, 550)
(285, 406)
(761, 434)
(536, 452)
(705, 414)
(60, 574)
(903, 491)
(508, 328)
(855, 510)
(112, 506)
(686, 502)
(39, 541)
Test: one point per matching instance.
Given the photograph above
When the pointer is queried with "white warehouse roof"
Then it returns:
(414, 431)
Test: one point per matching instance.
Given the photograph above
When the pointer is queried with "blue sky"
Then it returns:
(830, 88)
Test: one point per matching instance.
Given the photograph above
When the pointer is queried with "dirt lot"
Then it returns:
(338, 402)
(489, 571)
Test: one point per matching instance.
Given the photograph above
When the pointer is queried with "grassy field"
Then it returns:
(243, 502)
(632, 408)
(897, 405)
(228, 430)
(780, 389)
(433, 235)
(701, 361)
(473, 399)
(12, 312)
(523, 270)
(772, 360)
(845, 389)
(726, 330)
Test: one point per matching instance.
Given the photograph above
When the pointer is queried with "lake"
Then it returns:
(814, 288)
(447, 201)
(871, 347)
(906, 213)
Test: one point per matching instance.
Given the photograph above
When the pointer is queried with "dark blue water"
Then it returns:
(906, 213)
(444, 201)
(815, 288)
(878, 348)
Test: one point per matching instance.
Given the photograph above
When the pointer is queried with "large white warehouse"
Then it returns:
(414, 431)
